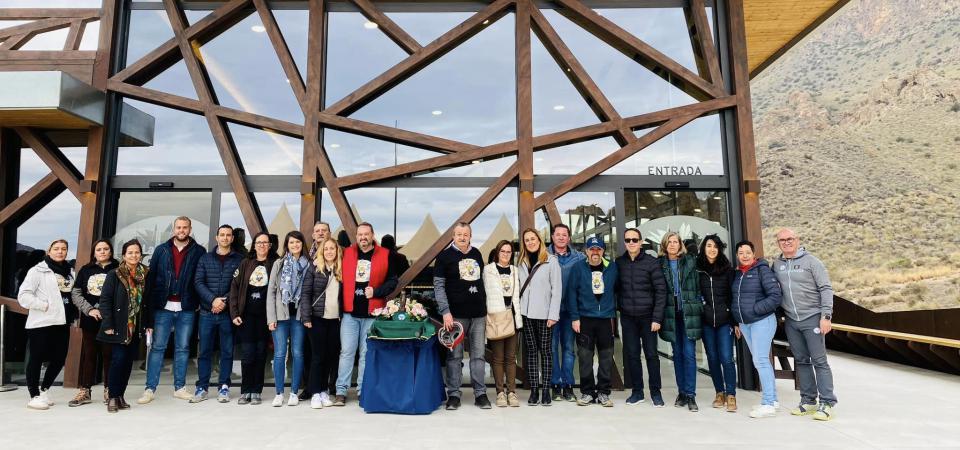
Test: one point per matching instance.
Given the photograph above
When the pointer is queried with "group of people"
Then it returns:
(551, 298)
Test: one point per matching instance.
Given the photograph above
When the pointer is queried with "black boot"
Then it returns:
(568, 394)
(534, 397)
(681, 401)
(545, 398)
(692, 404)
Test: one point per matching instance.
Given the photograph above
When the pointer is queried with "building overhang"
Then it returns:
(774, 26)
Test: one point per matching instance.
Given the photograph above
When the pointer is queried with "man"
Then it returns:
(368, 278)
(321, 231)
(808, 305)
(170, 306)
(643, 296)
(592, 305)
(215, 271)
(458, 289)
(563, 340)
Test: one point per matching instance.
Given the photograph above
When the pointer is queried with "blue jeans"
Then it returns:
(353, 335)
(684, 360)
(212, 325)
(288, 329)
(718, 345)
(759, 336)
(165, 322)
(563, 353)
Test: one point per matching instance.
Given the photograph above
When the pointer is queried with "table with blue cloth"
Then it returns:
(402, 377)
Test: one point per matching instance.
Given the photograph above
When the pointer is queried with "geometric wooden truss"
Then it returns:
(707, 85)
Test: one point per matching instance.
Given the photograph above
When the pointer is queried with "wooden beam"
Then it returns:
(32, 200)
(388, 26)
(53, 158)
(74, 35)
(36, 27)
(257, 121)
(156, 97)
(390, 134)
(283, 51)
(701, 39)
(412, 64)
(524, 104)
(553, 213)
(613, 159)
(638, 50)
(469, 215)
(58, 56)
(47, 13)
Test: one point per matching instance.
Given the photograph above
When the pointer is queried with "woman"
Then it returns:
(45, 293)
(320, 300)
(682, 325)
(756, 296)
(716, 276)
(86, 297)
(540, 295)
(501, 282)
(283, 314)
(121, 306)
(248, 310)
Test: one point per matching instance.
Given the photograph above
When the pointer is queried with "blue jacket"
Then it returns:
(579, 292)
(164, 283)
(756, 294)
(213, 277)
(567, 262)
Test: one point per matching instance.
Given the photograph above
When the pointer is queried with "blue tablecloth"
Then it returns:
(402, 377)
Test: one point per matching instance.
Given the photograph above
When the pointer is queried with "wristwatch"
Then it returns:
(827, 317)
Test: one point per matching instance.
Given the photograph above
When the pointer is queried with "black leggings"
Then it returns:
(121, 364)
(324, 347)
(45, 344)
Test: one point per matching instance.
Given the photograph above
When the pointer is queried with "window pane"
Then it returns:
(356, 54)
(694, 149)
(148, 29)
(182, 145)
(281, 212)
(426, 27)
(175, 80)
(557, 105)
(590, 214)
(266, 153)
(571, 159)
(665, 29)
(148, 217)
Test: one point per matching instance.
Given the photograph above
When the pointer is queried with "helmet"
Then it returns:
(451, 339)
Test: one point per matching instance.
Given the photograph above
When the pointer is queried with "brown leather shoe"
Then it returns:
(719, 400)
(731, 403)
(122, 403)
(113, 405)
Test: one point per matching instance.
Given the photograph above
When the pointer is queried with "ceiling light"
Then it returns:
(642, 207)
(559, 107)
(657, 194)
(258, 28)
(370, 25)
(334, 145)
(718, 198)
(436, 112)
(373, 164)
(485, 22)
(476, 161)
(697, 210)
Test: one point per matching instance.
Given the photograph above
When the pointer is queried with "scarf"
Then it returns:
(291, 278)
(746, 269)
(133, 282)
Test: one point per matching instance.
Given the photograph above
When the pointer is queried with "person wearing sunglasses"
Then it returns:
(642, 294)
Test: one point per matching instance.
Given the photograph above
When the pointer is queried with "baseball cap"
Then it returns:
(593, 241)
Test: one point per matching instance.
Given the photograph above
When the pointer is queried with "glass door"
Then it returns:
(148, 217)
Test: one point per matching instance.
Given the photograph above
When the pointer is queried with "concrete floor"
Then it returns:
(882, 405)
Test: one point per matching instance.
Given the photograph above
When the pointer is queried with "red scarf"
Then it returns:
(745, 269)
(378, 274)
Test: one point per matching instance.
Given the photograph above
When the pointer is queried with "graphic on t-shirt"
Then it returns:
(95, 283)
(469, 270)
(506, 282)
(259, 277)
(363, 271)
(597, 282)
(63, 284)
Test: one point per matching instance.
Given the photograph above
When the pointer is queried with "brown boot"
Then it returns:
(122, 403)
(113, 405)
(82, 398)
(719, 400)
(731, 403)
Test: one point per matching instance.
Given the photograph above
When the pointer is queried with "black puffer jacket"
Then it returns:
(716, 290)
(313, 299)
(641, 289)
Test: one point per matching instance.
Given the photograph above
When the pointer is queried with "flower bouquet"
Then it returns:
(402, 319)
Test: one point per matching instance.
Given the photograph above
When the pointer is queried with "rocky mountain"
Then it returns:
(858, 146)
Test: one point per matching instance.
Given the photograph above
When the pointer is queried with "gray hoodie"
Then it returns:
(806, 285)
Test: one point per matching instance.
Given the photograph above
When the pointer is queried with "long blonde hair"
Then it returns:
(321, 263)
(666, 238)
(541, 252)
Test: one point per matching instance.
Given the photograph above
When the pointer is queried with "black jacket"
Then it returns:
(716, 289)
(214, 275)
(756, 293)
(641, 289)
(313, 297)
(114, 309)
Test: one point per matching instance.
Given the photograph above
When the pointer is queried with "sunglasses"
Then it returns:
(631, 240)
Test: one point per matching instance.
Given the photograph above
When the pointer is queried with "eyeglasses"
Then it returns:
(786, 241)
(631, 240)
(262, 243)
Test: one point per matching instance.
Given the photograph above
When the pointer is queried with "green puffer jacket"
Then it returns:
(690, 293)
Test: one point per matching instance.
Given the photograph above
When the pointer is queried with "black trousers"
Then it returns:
(595, 334)
(324, 336)
(45, 344)
(121, 364)
(637, 337)
(253, 337)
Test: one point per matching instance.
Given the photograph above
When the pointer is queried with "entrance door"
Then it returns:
(148, 217)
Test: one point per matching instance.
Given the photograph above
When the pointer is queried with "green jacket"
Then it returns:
(690, 295)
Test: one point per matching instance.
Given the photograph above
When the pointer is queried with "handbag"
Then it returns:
(500, 325)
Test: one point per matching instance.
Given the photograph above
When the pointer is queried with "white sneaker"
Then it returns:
(147, 397)
(293, 399)
(325, 399)
(183, 394)
(316, 402)
(45, 396)
(278, 400)
(763, 411)
(38, 403)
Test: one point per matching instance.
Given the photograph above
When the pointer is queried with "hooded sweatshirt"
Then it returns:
(806, 286)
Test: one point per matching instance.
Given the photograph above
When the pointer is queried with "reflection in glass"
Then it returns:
(267, 153)
(148, 217)
(590, 214)
(355, 54)
(425, 27)
(694, 149)
(294, 26)
(281, 211)
(148, 29)
(182, 145)
(571, 159)
(466, 95)
(557, 105)
(694, 214)
(351, 153)
(665, 29)
(175, 80)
